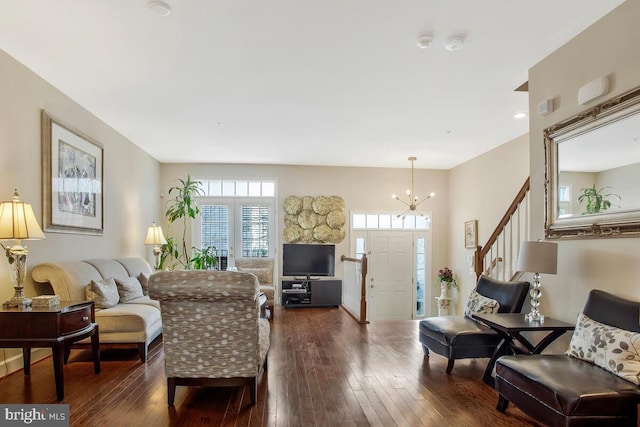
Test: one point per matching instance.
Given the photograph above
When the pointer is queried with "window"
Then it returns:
(255, 231)
(385, 221)
(237, 217)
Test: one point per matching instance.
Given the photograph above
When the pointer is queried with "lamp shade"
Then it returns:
(155, 236)
(17, 221)
(538, 257)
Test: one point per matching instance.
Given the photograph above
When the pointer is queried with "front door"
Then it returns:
(391, 275)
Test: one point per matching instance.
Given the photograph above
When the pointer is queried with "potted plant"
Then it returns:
(445, 276)
(183, 206)
(169, 252)
(596, 201)
(205, 258)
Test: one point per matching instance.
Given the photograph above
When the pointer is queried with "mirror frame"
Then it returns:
(615, 224)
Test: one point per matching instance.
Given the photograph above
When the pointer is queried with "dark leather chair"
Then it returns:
(560, 390)
(458, 337)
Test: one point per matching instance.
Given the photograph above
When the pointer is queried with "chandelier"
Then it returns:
(413, 199)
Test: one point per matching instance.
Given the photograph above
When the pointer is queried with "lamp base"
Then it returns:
(17, 302)
(531, 317)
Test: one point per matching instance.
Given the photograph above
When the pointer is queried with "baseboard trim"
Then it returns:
(13, 363)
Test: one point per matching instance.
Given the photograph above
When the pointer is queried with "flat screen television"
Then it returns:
(308, 260)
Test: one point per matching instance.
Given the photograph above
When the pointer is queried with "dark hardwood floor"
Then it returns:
(324, 370)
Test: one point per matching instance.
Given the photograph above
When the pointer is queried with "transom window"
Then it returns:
(387, 221)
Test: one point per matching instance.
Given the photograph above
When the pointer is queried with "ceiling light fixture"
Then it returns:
(424, 41)
(520, 115)
(160, 7)
(413, 199)
(454, 43)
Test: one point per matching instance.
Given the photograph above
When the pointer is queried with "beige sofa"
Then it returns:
(213, 334)
(135, 322)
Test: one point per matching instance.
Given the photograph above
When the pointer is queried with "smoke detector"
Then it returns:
(454, 43)
(424, 41)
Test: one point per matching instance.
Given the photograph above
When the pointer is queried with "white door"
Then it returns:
(391, 275)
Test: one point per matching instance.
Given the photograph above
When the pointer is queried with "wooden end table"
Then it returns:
(510, 326)
(56, 327)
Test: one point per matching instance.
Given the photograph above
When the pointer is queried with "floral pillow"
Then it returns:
(480, 304)
(613, 349)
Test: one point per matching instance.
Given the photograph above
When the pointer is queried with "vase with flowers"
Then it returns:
(445, 275)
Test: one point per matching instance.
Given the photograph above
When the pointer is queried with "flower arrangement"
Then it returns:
(445, 275)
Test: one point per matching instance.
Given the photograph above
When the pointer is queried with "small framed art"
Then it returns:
(471, 234)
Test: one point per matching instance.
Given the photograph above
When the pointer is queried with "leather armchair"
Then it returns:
(212, 332)
(560, 390)
(458, 337)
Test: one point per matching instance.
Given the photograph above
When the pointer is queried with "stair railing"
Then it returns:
(354, 299)
(500, 253)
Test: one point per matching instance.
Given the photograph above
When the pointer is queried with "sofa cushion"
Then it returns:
(480, 304)
(129, 289)
(144, 300)
(564, 385)
(611, 348)
(104, 293)
(127, 317)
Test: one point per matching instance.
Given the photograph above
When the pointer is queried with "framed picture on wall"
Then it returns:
(471, 234)
(72, 175)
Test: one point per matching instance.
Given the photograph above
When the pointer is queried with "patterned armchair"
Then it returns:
(212, 332)
(263, 269)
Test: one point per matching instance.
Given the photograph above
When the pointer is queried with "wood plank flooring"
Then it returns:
(324, 370)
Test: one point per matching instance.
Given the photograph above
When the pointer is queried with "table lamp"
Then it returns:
(17, 222)
(537, 257)
(155, 238)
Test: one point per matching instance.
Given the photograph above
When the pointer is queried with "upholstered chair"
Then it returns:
(263, 269)
(212, 331)
(459, 337)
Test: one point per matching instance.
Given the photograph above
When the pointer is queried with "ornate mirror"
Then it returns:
(592, 173)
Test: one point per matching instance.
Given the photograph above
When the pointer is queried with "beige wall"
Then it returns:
(607, 48)
(482, 189)
(131, 176)
(361, 189)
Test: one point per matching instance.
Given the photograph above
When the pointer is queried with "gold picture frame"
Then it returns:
(72, 177)
(471, 234)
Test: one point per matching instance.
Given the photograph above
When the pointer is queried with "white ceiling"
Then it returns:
(332, 82)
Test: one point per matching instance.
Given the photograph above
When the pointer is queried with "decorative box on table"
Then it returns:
(45, 301)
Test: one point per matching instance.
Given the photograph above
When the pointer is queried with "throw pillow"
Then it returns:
(129, 289)
(611, 348)
(480, 304)
(144, 282)
(103, 292)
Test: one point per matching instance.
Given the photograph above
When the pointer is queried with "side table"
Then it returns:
(443, 305)
(56, 327)
(510, 326)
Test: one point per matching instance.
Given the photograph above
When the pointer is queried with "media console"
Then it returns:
(311, 293)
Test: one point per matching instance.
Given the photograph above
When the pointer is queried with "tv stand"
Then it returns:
(311, 292)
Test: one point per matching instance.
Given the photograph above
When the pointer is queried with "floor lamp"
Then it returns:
(537, 257)
(17, 222)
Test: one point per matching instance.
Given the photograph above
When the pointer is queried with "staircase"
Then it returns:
(499, 256)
